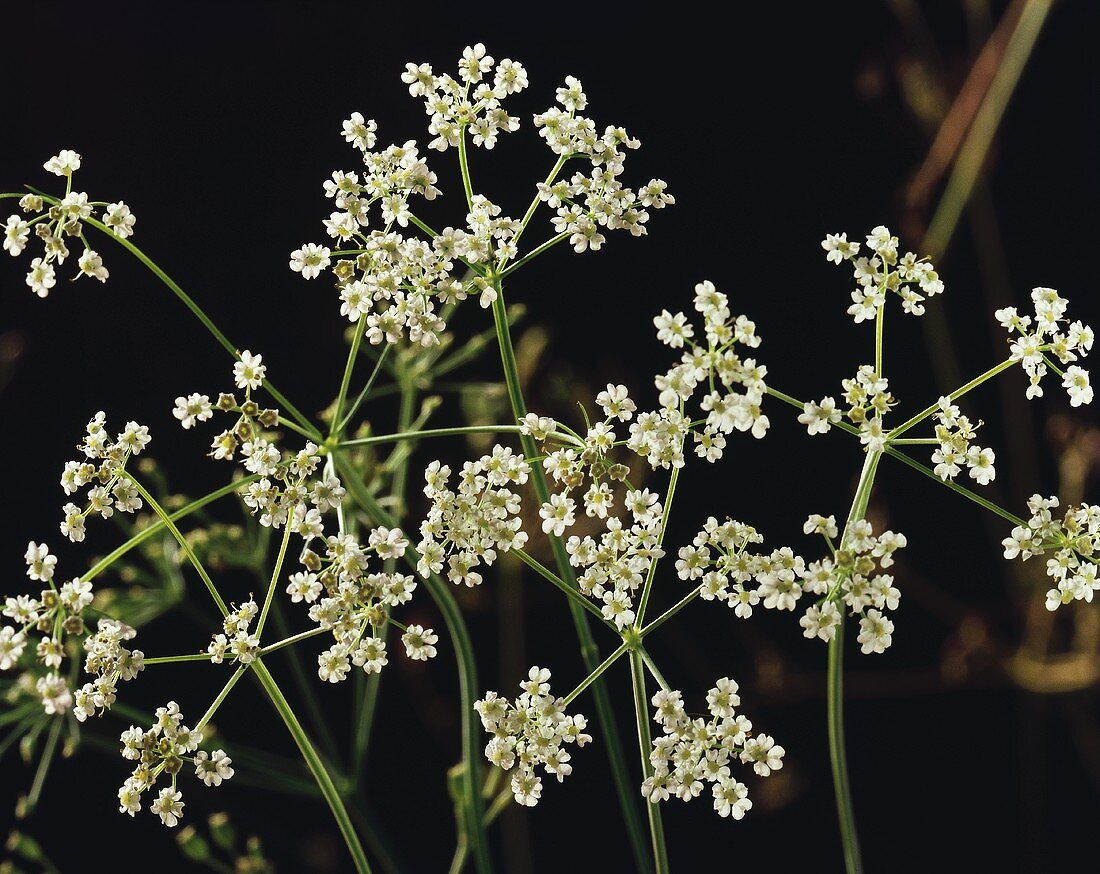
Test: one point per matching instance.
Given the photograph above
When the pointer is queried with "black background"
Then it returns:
(217, 128)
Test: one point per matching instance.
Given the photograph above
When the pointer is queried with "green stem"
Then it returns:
(534, 253)
(275, 574)
(464, 166)
(353, 355)
(143, 535)
(571, 592)
(316, 767)
(643, 603)
(596, 674)
(880, 318)
(433, 432)
(955, 395)
(645, 744)
(467, 671)
(217, 702)
(838, 757)
(197, 311)
(44, 764)
(362, 396)
(961, 490)
(590, 652)
(182, 541)
(670, 612)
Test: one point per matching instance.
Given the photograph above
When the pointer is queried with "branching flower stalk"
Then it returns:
(344, 562)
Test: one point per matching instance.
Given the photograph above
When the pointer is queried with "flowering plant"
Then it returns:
(340, 522)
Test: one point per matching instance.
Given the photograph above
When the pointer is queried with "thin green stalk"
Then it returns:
(349, 367)
(535, 201)
(961, 490)
(366, 700)
(645, 744)
(306, 689)
(534, 253)
(917, 466)
(217, 702)
(652, 573)
(596, 674)
(362, 396)
(197, 311)
(955, 395)
(974, 149)
(171, 660)
(651, 666)
(182, 541)
(590, 652)
(316, 766)
(838, 758)
(571, 592)
(44, 764)
(143, 535)
(467, 669)
(429, 432)
(880, 318)
(464, 167)
(274, 576)
(670, 612)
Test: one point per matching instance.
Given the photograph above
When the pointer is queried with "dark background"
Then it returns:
(218, 127)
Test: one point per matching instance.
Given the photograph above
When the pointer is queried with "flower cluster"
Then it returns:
(288, 482)
(394, 282)
(465, 527)
(850, 576)
(353, 603)
(718, 561)
(882, 272)
(587, 204)
(1049, 331)
(614, 567)
(955, 433)
(104, 465)
(692, 752)
(531, 732)
(55, 219)
(735, 385)
(868, 398)
(57, 615)
(473, 100)
(1073, 541)
(109, 661)
(164, 748)
(236, 641)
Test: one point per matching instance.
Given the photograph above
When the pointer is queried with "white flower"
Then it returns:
(167, 806)
(40, 563)
(875, 632)
(557, 514)
(249, 371)
(419, 642)
(1076, 383)
(214, 767)
(91, 264)
(193, 408)
(333, 664)
(16, 232)
(360, 132)
(64, 163)
(41, 277)
(310, 260)
(819, 417)
(119, 219)
(766, 756)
